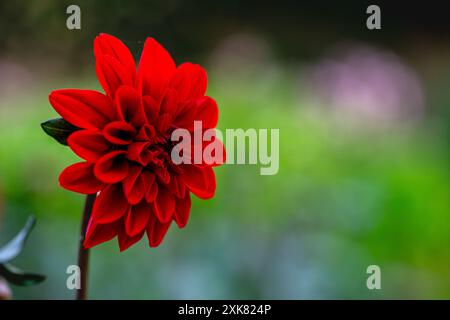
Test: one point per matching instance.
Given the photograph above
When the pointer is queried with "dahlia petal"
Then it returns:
(136, 150)
(112, 167)
(119, 132)
(79, 177)
(148, 178)
(151, 186)
(133, 174)
(162, 174)
(125, 241)
(163, 122)
(106, 44)
(112, 74)
(110, 205)
(85, 109)
(182, 210)
(207, 112)
(151, 193)
(164, 205)
(190, 81)
(201, 181)
(148, 156)
(133, 186)
(146, 133)
(156, 231)
(98, 233)
(155, 69)
(137, 218)
(177, 186)
(129, 106)
(169, 102)
(151, 108)
(186, 115)
(89, 145)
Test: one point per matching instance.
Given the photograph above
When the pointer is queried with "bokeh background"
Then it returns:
(364, 149)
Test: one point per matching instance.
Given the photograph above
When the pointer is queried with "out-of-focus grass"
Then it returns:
(344, 198)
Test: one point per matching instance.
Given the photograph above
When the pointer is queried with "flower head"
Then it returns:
(124, 138)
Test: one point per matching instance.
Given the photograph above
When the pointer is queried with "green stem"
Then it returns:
(83, 254)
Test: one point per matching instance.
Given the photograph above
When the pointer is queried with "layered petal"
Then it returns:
(169, 103)
(146, 133)
(108, 45)
(88, 144)
(186, 114)
(110, 205)
(85, 109)
(137, 151)
(151, 186)
(133, 185)
(162, 174)
(111, 75)
(129, 106)
(190, 81)
(201, 181)
(164, 205)
(155, 69)
(119, 132)
(151, 108)
(207, 112)
(182, 210)
(137, 218)
(80, 177)
(112, 167)
(126, 241)
(176, 186)
(156, 231)
(163, 123)
(98, 233)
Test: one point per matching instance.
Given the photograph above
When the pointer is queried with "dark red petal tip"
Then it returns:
(112, 167)
(79, 177)
(110, 205)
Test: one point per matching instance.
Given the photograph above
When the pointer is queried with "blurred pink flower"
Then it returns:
(368, 84)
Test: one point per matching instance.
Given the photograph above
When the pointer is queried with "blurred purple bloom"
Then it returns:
(368, 84)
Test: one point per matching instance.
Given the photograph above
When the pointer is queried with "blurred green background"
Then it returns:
(364, 150)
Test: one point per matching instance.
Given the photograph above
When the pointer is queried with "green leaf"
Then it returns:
(15, 246)
(59, 129)
(18, 277)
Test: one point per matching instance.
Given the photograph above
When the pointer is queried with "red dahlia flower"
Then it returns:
(124, 139)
